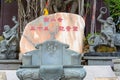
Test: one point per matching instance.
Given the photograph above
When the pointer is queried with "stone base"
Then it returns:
(103, 58)
(106, 78)
(93, 60)
(10, 64)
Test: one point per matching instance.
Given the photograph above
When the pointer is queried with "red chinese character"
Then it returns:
(53, 20)
(46, 19)
(75, 28)
(60, 19)
(46, 28)
(39, 28)
(61, 28)
(32, 28)
(68, 28)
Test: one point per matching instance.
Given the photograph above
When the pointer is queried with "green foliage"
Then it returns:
(8, 1)
(1, 38)
(89, 35)
(114, 6)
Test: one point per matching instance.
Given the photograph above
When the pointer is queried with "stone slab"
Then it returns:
(98, 71)
(106, 78)
(10, 74)
(93, 60)
(116, 60)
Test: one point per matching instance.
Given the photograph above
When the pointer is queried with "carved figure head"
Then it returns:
(109, 20)
(6, 28)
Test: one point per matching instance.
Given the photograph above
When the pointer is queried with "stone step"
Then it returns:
(107, 78)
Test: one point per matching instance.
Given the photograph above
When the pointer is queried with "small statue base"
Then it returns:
(10, 64)
(97, 58)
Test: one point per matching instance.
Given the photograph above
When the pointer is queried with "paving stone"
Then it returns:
(3, 76)
(98, 71)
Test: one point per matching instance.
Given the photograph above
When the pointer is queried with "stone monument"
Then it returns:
(44, 45)
(9, 46)
(70, 29)
(52, 60)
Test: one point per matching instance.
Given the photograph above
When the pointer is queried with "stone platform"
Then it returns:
(10, 64)
(93, 72)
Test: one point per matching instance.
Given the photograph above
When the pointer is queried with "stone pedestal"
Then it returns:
(116, 66)
(10, 64)
(100, 58)
(91, 60)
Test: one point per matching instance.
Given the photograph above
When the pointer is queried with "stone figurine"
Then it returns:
(9, 46)
(108, 29)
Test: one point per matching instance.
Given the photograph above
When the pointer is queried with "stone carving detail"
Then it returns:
(9, 46)
(51, 47)
(62, 64)
(107, 36)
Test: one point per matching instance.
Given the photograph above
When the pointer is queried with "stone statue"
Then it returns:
(108, 29)
(9, 46)
(107, 34)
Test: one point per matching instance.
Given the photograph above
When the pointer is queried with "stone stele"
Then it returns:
(69, 29)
